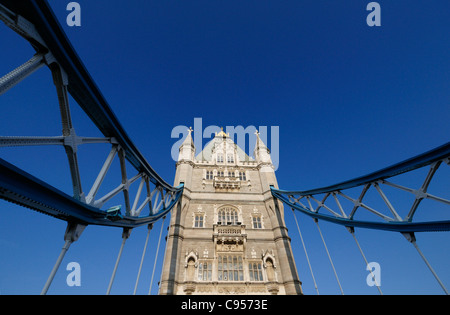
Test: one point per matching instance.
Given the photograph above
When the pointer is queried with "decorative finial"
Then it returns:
(190, 130)
(222, 133)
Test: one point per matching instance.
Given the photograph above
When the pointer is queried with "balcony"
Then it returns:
(229, 230)
(226, 183)
(229, 238)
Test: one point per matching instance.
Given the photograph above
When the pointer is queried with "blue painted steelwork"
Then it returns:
(416, 162)
(81, 85)
(26, 190)
(404, 227)
(433, 157)
(22, 188)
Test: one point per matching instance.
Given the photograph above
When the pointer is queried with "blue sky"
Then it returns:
(348, 99)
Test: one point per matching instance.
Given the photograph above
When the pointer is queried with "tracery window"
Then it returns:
(228, 216)
(204, 271)
(230, 268)
(255, 271)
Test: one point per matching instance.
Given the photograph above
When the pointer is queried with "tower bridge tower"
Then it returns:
(227, 234)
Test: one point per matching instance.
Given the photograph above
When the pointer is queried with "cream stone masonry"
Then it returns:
(227, 233)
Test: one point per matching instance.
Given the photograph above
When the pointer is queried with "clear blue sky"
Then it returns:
(348, 99)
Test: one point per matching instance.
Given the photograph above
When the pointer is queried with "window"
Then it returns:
(257, 222)
(242, 176)
(219, 158)
(228, 216)
(230, 268)
(230, 158)
(255, 271)
(209, 174)
(220, 173)
(204, 271)
(198, 222)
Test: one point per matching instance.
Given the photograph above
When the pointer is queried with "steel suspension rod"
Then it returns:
(412, 239)
(73, 232)
(125, 235)
(142, 258)
(56, 267)
(156, 256)
(352, 231)
(329, 256)
(306, 253)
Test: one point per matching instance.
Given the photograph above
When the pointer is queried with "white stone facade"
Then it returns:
(227, 234)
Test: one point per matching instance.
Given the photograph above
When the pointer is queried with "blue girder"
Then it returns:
(427, 158)
(26, 190)
(22, 188)
(81, 85)
(413, 163)
(395, 226)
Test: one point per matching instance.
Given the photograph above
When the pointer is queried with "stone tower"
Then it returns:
(227, 234)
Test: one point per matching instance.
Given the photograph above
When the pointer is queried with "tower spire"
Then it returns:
(187, 148)
(261, 152)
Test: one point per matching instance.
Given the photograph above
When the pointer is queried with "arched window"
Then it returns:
(228, 215)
